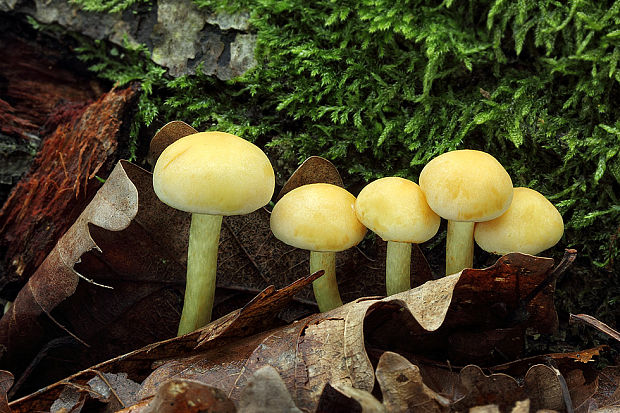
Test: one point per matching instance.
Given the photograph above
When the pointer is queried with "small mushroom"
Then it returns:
(210, 174)
(530, 225)
(396, 210)
(319, 218)
(465, 187)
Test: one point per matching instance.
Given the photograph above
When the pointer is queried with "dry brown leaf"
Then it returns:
(266, 393)
(495, 389)
(582, 356)
(313, 170)
(346, 399)
(139, 363)
(168, 134)
(329, 348)
(403, 389)
(188, 396)
(541, 386)
(6, 381)
(544, 388)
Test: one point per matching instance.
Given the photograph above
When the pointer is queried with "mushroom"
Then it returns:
(530, 225)
(210, 174)
(396, 210)
(464, 187)
(319, 218)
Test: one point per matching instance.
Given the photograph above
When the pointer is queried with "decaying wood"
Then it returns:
(62, 179)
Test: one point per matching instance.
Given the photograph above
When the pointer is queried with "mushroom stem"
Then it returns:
(398, 267)
(204, 236)
(459, 246)
(325, 287)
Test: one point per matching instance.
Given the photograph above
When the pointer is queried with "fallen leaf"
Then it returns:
(116, 390)
(582, 356)
(403, 389)
(495, 389)
(346, 399)
(330, 347)
(6, 381)
(313, 170)
(266, 393)
(71, 400)
(607, 395)
(168, 134)
(544, 389)
(188, 396)
(140, 363)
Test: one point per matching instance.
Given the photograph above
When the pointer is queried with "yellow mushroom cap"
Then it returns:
(466, 185)
(214, 173)
(531, 225)
(317, 217)
(396, 210)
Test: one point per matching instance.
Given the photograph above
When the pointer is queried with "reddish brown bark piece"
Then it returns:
(61, 181)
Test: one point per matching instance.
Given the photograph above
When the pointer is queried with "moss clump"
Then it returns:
(380, 87)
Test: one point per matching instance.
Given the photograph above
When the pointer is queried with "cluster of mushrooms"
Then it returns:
(231, 176)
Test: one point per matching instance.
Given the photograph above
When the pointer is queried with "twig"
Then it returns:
(593, 322)
(93, 282)
(107, 383)
(66, 330)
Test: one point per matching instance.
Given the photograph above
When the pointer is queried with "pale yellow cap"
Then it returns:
(531, 225)
(214, 173)
(396, 210)
(466, 185)
(317, 217)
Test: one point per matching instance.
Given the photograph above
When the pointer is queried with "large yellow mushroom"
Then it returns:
(319, 218)
(531, 225)
(210, 174)
(465, 187)
(396, 210)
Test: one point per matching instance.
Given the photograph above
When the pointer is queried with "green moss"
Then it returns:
(382, 86)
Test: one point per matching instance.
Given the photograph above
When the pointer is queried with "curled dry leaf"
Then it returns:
(541, 385)
(403, 388)
(168, 134)
(6, 381)
(313, 170)
(329, 347)
(346, 399)
(266, 393)
(139, 363)
(188, 396)
(593, 322)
